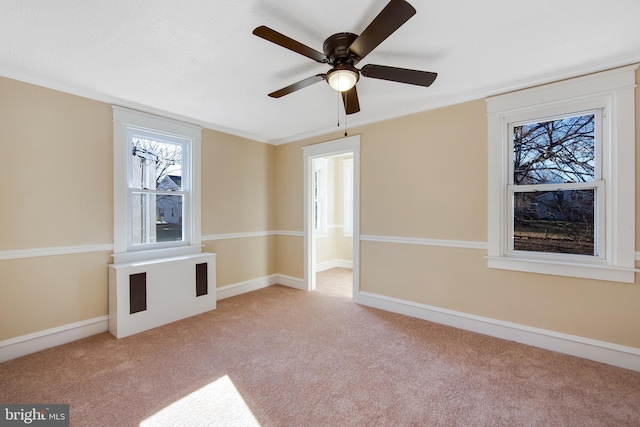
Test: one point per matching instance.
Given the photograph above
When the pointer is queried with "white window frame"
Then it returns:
(321, 168)
(347, 195)
(611, 95)
(127, 122)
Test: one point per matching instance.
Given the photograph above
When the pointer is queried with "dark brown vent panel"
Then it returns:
(137, 292)
(202, 287)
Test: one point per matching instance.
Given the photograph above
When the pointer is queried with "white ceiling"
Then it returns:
(198, 61)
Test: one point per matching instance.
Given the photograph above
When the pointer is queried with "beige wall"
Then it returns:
(335, 246)
(40, 293)
(425, 176)
(238, 184)
(289, 187)
(343, 244)
(290, 256)
(242, 259)
(422, 176)
(56, 178)
(238, 196)
(56, 184)
(289, 209)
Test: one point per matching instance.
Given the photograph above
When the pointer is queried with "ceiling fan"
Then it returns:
(344, 50)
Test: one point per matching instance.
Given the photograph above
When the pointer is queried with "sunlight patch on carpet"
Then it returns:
(217, 404)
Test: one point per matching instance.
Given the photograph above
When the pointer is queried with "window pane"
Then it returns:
(557, 151)
(156, 218)
(156, 164)
(554, 221)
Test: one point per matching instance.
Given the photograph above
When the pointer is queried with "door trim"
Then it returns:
(327, 149)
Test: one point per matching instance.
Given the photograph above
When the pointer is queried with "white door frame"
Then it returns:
(327, 149)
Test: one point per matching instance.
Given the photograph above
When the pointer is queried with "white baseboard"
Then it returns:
(292, 282)
(599, 351)
(259, 283)
(243, 287)
(42, 340)
(336, 263)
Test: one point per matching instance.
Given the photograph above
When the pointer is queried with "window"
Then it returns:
(320, 197)
(156, 203)
(561, 178)
(347, 192)
(556, 188)
(156, 187)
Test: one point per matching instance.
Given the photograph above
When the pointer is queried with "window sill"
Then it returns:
(568, 269)
(145, 255)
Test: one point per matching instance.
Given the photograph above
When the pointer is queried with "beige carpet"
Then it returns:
(282, 357)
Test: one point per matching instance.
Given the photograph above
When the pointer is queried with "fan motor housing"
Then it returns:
(336, 47)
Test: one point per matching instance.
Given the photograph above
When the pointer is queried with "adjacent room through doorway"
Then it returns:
(333, 213)
(331, 174)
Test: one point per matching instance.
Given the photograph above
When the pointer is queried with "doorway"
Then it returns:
(315, 218)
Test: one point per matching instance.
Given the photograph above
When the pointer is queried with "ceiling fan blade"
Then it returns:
(350, 100)
(289, 43)
(297, 86)
(400, 75)
(396, 13)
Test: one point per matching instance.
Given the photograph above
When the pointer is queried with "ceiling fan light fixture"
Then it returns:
(342, 79)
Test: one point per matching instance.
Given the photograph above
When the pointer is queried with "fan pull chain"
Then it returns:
(339, 95)
(346, 101)
(346, 105)
(345, 123)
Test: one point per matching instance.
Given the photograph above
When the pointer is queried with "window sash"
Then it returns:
(597, 112)
(321, 202)
(347, 190)
(133, 189)
(599, 220)
(597, 184)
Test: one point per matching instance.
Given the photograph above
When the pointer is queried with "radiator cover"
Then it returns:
(151, 293)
